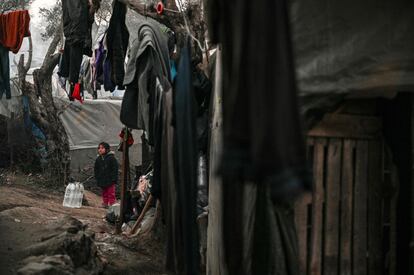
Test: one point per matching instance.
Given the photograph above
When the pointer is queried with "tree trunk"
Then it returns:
(45, 114)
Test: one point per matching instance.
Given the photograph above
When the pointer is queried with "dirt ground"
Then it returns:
(29, 213)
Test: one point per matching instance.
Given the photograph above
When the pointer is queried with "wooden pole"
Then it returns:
(124, 176)
(142, 215)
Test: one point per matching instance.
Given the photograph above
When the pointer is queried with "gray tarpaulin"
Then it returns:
(12, 105)
(92, 122)
(346, 46)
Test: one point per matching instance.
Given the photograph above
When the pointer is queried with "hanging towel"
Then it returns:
(14, 26)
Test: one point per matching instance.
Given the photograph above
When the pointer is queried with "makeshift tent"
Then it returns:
(86, 124)
(90, 123)
(14, 104)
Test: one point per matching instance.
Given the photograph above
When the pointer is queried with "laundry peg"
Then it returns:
(160, 8)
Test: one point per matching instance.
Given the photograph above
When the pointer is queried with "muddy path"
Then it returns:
(34, 225)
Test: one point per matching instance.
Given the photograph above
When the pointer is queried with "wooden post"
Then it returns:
(360, 209)
(375, 208)
(317, 207)
(347, 185)
(124, 177)
(332, 202)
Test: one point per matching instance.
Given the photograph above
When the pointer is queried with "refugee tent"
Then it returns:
(86, 125)
(90, 123)
(14, 104)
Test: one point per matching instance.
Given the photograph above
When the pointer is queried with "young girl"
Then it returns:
(106, 173)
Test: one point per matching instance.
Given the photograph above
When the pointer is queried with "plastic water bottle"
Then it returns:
(78, 195)
(80, 199)
(75, 196)
(69, 191)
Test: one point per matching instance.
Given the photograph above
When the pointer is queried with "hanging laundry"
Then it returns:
(202, 92)
(86, 76)
(37, 133)
(99, 57)
(148, 59)
(4, 73)
(173, 70)
(71, 62)
(130, 140)
(77, 93)
(117, 38)
(186, 166)
(107, 72)
(165, 160)
(14, 26)
(103, 67)
(158, 112)
(77, 26)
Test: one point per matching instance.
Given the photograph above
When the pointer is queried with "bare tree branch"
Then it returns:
(191, 10)
(29, 59)
(53, 61)
(14, 61)
(52, 47)
(171, 20)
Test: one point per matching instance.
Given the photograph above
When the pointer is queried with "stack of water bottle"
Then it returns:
(73, 195)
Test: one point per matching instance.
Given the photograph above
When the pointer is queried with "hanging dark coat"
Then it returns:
(117, 42)
(148, 59)
(77, 26)
(185, 161)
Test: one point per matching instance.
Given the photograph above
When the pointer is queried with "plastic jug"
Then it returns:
(74, 195)
(81, 190)
(78, 195)
(69, 192)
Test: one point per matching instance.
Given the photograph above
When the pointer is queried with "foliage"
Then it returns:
(52, 18)
(10, 5)
(104, 12)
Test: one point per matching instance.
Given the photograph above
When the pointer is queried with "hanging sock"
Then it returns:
(76, 94)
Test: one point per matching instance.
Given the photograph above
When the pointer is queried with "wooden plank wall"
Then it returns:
(341, 224)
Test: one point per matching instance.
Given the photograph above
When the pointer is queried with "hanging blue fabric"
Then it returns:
(37, 133)
(173, 70)
(186, 160)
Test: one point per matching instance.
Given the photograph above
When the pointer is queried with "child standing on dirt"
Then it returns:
(106, 173)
